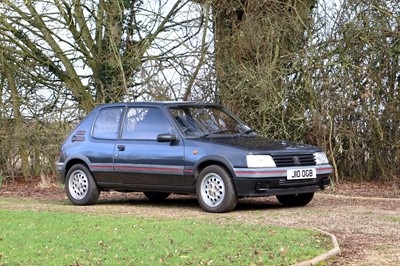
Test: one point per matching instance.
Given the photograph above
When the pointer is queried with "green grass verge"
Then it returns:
(56, 238)
(393, 218)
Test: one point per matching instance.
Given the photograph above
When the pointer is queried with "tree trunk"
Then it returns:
(20, 128)
(254, 42)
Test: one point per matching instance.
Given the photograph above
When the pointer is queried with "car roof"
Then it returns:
(161, 103)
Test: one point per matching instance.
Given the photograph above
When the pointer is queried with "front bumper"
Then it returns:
(253, 182)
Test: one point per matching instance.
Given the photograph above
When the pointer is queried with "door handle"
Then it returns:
(121, 147)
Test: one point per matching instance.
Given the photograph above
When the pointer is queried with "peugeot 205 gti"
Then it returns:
(160, 148)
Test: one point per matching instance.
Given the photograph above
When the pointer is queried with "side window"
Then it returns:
(107, 123)
(145, 123)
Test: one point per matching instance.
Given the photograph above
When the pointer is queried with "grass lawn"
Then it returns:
(57, 238)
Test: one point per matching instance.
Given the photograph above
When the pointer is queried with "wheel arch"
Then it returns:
(73, 161)
(214, 160)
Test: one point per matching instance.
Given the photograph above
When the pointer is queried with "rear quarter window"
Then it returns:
(107, 123)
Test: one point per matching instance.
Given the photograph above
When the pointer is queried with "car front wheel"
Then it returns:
(215, 190)
(295, 200)
(80, 186)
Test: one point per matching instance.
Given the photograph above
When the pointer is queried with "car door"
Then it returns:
(100, 151)
(139, 159)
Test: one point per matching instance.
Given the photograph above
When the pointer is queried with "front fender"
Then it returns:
(213, 159)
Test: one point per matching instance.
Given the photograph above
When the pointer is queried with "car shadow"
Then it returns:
(186, 202)
(253, 204)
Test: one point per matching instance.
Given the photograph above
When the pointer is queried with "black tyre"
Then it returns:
(156, 196)
(80, 186)
(295, 200)
(215, 190)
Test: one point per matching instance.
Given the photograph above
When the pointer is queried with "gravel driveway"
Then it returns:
(368, 229)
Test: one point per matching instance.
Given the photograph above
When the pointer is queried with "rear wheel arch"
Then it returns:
(73, 162)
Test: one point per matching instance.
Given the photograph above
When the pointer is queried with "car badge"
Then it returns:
(296, 160)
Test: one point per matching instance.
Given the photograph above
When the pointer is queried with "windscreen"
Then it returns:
(205, 121)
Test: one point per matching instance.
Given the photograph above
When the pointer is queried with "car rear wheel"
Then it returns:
(80, 186)
(156, 196)
(295, 200)
(215, 190)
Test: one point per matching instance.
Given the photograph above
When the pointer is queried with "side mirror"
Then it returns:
(166, 137)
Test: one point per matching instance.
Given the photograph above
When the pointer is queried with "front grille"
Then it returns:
(294, 160)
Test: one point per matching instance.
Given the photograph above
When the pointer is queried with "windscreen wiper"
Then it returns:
(246, 132)
(220, 132)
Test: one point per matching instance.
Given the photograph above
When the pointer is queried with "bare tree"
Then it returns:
(359, 74)
(60, 58)
(321, 72)
(94, 48)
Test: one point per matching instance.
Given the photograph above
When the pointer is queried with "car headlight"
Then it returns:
(320, 158)
(260, 161)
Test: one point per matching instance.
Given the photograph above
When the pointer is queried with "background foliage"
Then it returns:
(324, 72)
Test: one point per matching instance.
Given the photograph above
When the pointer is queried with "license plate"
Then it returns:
(294, 174)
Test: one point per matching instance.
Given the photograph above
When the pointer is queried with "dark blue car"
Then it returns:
(160, 148)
